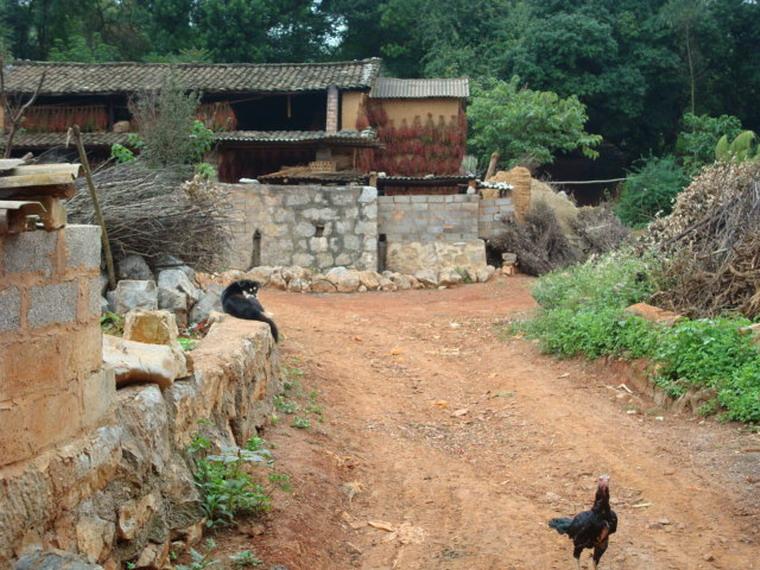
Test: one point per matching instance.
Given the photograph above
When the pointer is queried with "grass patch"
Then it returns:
(582, 314)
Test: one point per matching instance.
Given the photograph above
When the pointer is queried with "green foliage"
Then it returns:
(187, 343)
(741, 148)
(650, 189)
(245, 559)
(528, 127)
(201, 560)
(300, 423)
(82, 49)
(282, 404)
(281, 481)
(697, 141)
(112, 323)
(205, 170)
(120, 153)
(582, 314)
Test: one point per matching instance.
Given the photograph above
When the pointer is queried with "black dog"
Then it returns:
(239, 300)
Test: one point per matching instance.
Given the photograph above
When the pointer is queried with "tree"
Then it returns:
(696, 142)
(650, 189)
(527, 127)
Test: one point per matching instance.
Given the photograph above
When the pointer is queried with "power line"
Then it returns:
(570, 182)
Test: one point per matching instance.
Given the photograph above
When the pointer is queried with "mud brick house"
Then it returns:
(323, 117)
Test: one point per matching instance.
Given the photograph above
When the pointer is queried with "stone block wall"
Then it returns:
(312, 226)
(491, 215)
(425, 218)
(51, 383)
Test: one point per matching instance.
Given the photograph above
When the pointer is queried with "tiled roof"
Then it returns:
(391, 88)
(94, 78)
(353, 138)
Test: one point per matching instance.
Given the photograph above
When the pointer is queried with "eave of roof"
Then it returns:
(130, 77)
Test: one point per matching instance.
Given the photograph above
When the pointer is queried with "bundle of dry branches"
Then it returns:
(711, 244)
(156, 211)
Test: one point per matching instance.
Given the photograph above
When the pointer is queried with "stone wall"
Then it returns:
(437, 257)
(312, 226)
(51, 383)
(423, 218)
(491, 216)
(123, 491)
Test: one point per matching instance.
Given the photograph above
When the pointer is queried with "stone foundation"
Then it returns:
(438, 256)
(123, 490)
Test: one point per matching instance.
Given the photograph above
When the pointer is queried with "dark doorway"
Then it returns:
(256, 251)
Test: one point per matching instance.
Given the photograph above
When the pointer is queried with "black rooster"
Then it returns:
(590, 529)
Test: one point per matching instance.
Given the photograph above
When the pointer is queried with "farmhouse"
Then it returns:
(321, 117)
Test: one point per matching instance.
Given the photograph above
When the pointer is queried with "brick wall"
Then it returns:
(331, 124)
(491, 214)
(51, 382)
(425, 218)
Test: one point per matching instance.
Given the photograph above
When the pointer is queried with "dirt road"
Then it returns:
(465, 443)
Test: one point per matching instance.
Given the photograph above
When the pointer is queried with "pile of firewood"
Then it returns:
(151, 212)
(710, 244)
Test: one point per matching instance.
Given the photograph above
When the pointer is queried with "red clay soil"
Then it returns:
(458, 444)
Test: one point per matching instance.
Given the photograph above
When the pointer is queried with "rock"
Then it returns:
(141, 362)
(153, 557)
(449, 277)
(386, 284)
(347, 282)
(94, 537)
(485, 273)
(54, 560)
(260, 274)
(190, 535)
(210, 301)
(335, 273)
(296, 272)
(135, 514)
(103, 283)
(427, 277)
(152, 327)
(131, 294)
(508, 258)
(654, 314)
(298, 285)
(362, 289)
(121, 127)
(134, 267)
(171, 262)
(402, 282)
(176, 280)
(323, 286)
(105, 306)
(176, 302)
(370, 280)
(277, 281)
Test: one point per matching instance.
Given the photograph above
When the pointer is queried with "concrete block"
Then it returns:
(50, 304)
(439, 199)
(10, 309)
(32, 366)
(418, 207)
(368, 195)
(92, 287)
(82, 246)
(82, 351)
(30, 252)
(402, 199)
(417, 199)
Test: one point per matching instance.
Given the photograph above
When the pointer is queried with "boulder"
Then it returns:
(176, 302)
(427, 277)
(370, 279)
(323, 286)
(295, 272)
(176, 280)
(152, 327)
(485, 273)
(133, 267)
(277, 281)
(402, 282)
(298, 285)
(103, 283)
(335, 274)
(132, 294)
(386, 284)
(260, 274)
(347, 282)
(170, 262)
(210, 301)
(142, 362)
(654, 314)
(54, 560)
(449, 277)
(104, 305)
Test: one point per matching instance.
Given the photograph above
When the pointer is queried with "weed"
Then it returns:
(199, 443)
(300, 423)
(282, 404)
(187, 343)
(281, 481)
(111, 323)
(200, 561)
(245, 559)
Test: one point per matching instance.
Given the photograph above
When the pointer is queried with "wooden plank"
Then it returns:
(63, 168)
(18, 204)
(55, 179)
(10, 163)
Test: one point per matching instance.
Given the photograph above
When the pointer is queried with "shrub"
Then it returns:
(696, 143)
(650, 189)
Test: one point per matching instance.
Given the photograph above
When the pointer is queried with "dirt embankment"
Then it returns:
(458, 446)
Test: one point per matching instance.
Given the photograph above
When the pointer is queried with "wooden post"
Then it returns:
(96, 204)
(492, 165)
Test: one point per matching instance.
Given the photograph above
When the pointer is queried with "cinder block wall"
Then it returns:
(308, 225)
(51, 382)
(426, 218)
(492, 213)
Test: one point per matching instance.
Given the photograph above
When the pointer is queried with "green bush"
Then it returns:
(650, 188)
(696, 143)
(582, 314)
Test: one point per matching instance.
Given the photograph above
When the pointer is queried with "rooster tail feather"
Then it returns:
(561, 525)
